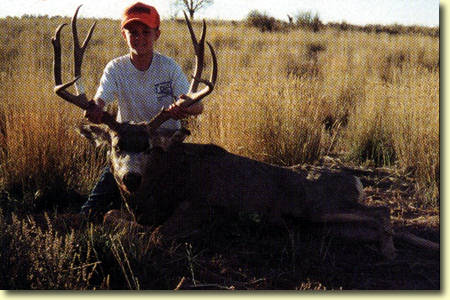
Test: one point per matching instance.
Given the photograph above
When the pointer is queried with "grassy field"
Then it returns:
(287, 97)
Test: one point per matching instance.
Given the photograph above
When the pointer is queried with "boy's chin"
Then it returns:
(141, 52)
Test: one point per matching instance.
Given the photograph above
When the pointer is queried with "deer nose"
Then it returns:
(132, 181)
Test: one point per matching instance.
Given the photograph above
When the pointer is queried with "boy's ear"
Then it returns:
(158, 33)
(97, 134)
(124, 34)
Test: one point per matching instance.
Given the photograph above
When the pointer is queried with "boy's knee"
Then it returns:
(90, 214)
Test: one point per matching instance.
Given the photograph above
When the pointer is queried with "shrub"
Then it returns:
(263, 22)
(307, 20)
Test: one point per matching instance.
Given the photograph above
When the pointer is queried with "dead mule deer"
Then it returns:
(154, 168)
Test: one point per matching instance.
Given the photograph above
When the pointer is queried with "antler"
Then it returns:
(199, 48)
(79, 100)
(193, 95)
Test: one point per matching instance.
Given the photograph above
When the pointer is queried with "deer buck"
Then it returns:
(156, 170)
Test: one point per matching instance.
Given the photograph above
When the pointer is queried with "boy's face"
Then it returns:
(140, 38)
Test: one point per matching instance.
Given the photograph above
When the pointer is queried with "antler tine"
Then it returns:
(78, 52)
(191, 31)
(214, 71)
(60, 89)
(56, 41)
(199, 48)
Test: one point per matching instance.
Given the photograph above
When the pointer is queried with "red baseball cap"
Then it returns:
(140, 12)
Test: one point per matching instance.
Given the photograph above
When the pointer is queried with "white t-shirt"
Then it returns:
(142, 94)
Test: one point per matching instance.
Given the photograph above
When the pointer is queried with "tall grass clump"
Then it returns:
(264, 126)
(397, 121)
(46, 254)
(35, 258)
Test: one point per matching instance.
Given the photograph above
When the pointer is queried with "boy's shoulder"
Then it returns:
(164, 59)
(120, 61)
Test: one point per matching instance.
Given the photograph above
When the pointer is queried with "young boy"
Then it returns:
(143, 81)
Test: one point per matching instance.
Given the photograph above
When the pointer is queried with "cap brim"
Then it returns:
(129, 21)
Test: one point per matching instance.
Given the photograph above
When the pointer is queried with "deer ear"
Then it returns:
(167, 139)
(97, 134)
(179, 136)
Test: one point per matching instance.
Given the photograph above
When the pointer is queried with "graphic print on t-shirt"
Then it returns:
(163, 89)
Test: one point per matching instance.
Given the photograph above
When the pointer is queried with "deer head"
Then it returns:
(130, 144)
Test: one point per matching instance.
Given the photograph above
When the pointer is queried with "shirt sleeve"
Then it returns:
(179, 82)
(107, 89)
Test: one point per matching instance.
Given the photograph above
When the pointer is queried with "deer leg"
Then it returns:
(184, 222)
(121, 219)
(368, 224)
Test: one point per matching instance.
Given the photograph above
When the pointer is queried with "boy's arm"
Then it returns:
(180, 109)
(106, 92)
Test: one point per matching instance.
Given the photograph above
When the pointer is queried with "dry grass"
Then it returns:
(37, 258)
(283, 97)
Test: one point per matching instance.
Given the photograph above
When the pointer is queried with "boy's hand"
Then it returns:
(180, 109)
